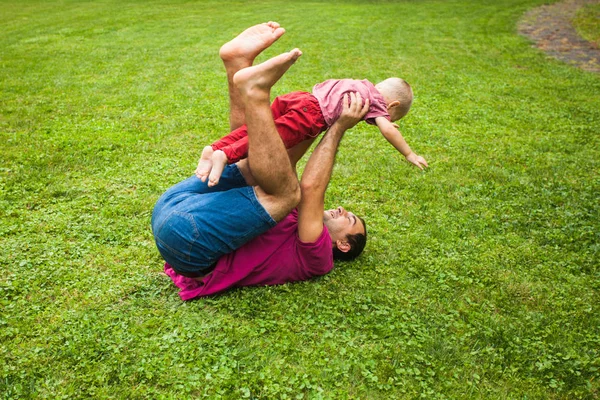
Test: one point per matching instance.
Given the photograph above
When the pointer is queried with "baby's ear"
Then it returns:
(393, 104)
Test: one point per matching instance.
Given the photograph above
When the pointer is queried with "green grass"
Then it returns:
(480, 279)
(587, 23)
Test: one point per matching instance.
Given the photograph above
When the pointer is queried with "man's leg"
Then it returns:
(278, 190)
(240, 53)
(237, 54)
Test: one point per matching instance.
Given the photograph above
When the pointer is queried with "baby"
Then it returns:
(301, 115)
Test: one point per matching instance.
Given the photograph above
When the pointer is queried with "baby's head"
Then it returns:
(398, 95)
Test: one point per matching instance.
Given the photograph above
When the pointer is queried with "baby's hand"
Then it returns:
(417, 160)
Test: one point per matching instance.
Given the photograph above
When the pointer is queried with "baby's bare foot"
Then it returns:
(219, 161)
(204, 164)
(258, 79)
(250, 43)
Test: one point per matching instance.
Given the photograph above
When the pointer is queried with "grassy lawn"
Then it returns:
(587, 23)
(480, 279)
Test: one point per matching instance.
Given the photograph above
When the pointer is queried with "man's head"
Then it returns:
(398, 95)
(348, 233)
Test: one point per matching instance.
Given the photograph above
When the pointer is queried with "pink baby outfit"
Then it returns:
(300, 116)
(331, 93)
(275, 257)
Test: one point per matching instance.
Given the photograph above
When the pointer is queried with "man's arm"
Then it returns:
(317, 172)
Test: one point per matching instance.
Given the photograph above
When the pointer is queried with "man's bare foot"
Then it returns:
(219, 161)
(247, 45)
(205, 164)
(258, 79)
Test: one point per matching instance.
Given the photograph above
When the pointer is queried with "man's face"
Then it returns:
(340, 223)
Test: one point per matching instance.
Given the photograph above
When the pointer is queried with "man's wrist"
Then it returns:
(337, 130)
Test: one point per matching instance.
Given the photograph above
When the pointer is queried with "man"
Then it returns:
(259, 225)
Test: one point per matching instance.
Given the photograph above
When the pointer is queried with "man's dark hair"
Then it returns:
(357, 243)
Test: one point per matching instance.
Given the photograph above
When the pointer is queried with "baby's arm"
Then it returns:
(393, 135)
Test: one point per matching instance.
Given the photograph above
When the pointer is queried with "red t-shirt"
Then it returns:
(275, 257)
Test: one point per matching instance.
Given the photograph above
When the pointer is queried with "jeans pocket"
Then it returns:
(177, 234)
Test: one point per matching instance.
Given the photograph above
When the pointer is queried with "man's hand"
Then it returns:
(353, 110)
(416, 160)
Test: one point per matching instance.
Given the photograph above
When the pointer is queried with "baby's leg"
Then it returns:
(297, 118)
(293, 128)
(227, 144)
(219, 161)
(205, 164)
(230, 139)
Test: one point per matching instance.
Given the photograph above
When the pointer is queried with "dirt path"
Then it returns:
(550, 27)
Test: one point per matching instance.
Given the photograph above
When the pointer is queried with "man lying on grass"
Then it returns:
(259, 225)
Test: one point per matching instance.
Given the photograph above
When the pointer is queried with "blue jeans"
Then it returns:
(194, 225)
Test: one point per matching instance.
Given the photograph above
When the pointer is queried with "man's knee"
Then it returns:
(294, 195)
(289, 197)
(283, 202)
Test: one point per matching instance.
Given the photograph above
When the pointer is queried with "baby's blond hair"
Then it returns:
(397, 89)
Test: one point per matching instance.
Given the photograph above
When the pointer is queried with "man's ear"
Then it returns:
(393, 104)
(343, 246)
